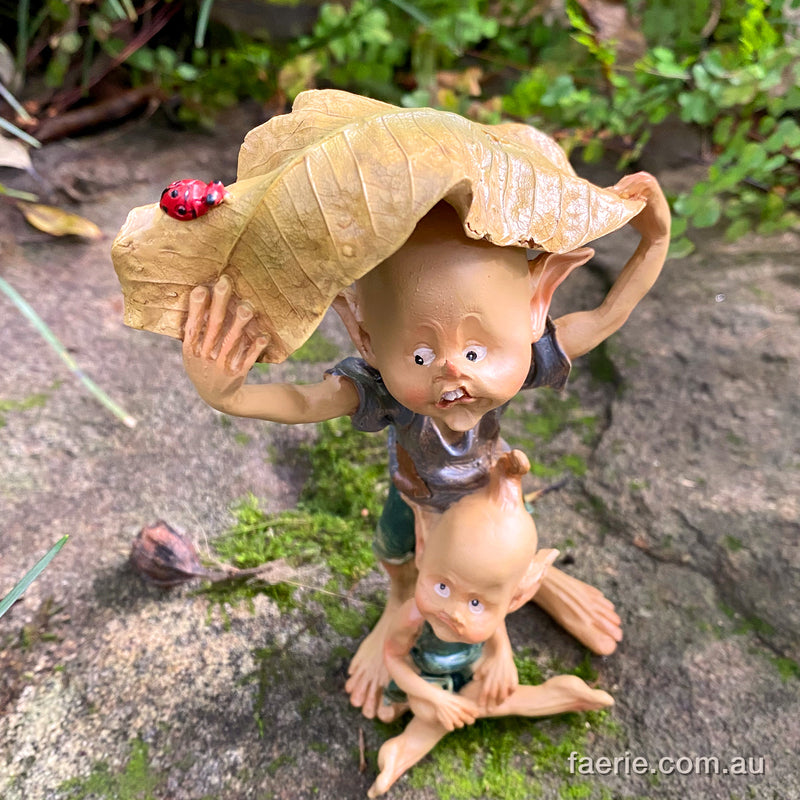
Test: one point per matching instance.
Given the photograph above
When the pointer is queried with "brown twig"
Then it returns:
(362, 748)
(533, 497)
(118, 107)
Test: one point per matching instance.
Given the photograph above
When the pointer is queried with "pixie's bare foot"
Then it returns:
(399, 754)
(558, 695)
(580, 609)
(577, 695)
(389, 712)
(388, 757)
(368, 673)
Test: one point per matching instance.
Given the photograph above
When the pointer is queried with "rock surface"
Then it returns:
(687, 518)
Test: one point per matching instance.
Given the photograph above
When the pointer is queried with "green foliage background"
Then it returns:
(727, 67)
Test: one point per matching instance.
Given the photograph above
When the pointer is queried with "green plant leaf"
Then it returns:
(737, 229)
(680, 248)
(752, 156)
(787, 134)
(30, 576)
(679, 225)
(708, 213)
(722, 129)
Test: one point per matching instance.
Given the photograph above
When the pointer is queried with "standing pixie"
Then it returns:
(414, 224)
(449, 330)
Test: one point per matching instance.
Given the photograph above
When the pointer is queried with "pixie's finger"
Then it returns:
(638, 186)
(641, 178)
(253, 352)
(233, 338)
(216, 316)
(235, 362)
(198, 302)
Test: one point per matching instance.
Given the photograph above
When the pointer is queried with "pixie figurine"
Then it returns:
(449, 329)
(447, 649)
(414, 224)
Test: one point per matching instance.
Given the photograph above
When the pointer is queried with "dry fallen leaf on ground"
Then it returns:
(14, 154)
(58, 222)
(329, 191)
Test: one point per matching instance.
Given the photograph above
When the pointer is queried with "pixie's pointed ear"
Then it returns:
(506, 476)
(344, 304)
(532, 579)
(547, 271)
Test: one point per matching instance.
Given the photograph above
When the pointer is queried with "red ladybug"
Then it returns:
(189, 199)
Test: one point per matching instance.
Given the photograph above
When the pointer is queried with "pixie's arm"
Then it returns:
(580, 332)
(497, 671)
(217, 359)
(429, 702)
(399, 641)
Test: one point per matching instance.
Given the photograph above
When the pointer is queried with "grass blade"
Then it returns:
(19, 109)
(30, 576)
(53, 341)
(116, 7)
(19, 133)
(23, 35)
(202, 22)
(18, 195)
(130, 10)
(413, 12)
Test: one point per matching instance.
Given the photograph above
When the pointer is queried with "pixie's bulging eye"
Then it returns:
(423, 356)
(475, 606)
(475, 352)
(442, 589)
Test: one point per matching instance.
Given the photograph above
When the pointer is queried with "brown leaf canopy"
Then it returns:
(332, 189)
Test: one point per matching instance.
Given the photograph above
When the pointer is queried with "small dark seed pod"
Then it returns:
(164, 557)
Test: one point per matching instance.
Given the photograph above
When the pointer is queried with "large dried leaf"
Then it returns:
(329, 191)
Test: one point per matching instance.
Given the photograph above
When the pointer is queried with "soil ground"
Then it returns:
(686, 517)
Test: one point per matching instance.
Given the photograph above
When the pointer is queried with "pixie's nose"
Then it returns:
(450, 370)
(457, 619)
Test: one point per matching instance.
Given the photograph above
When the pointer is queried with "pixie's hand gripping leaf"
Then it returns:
(329, 191)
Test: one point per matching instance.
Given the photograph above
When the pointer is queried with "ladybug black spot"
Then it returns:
(174, 193)
(181, 210)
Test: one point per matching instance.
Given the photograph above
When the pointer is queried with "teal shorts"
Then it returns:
(394, 541)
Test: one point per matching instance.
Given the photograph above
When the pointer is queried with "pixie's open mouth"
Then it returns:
(460, 395)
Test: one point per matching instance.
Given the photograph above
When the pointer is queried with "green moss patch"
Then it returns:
(332, 525)
(316, 349)
(34, 401)
(534, 431)
(508, 758)
(137, 781)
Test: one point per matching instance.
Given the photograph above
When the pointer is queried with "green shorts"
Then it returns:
(395, 540)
